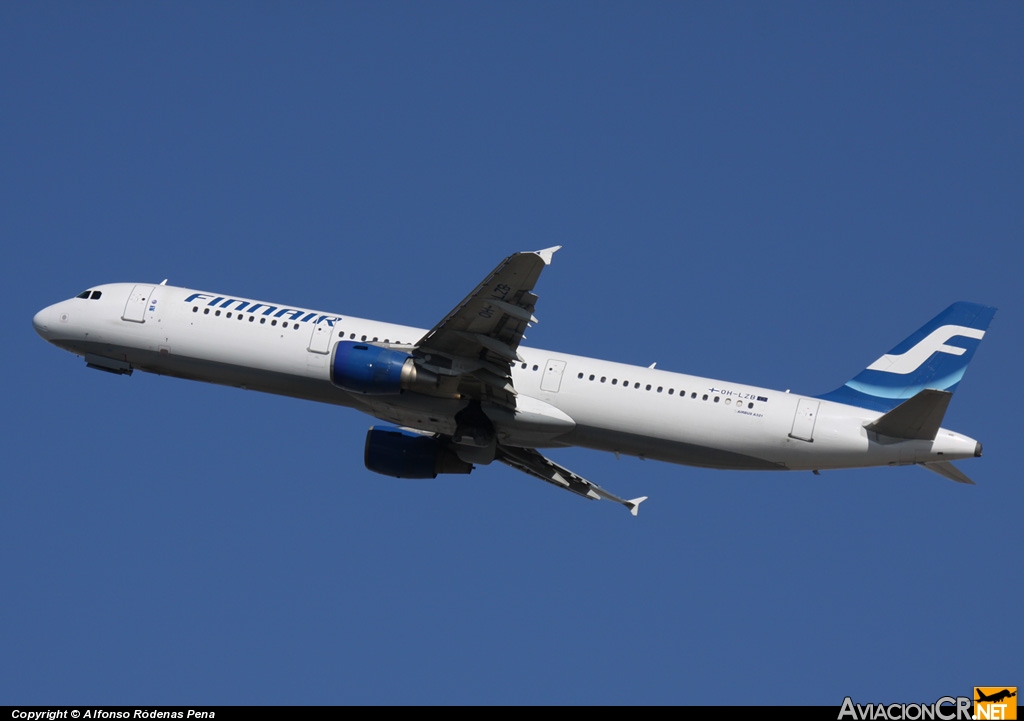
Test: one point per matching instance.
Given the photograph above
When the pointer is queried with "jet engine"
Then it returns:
(404, 454)
(373, 370)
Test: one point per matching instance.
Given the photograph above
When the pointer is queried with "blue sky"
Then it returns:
(768, 193)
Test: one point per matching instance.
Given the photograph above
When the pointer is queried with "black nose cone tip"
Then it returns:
(977, 450)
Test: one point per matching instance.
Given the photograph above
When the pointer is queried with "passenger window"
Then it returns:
(705, 396)
(229, 314)
(251, 319)
(659, 389)
(273, 322)
(604, 378)
(262, 321)
(217, 313)
(195, 309)
(717, 398)
(535, 367)
(206, 311)
(591, 376)
(750, 405)
(615, 381)
(648, 386)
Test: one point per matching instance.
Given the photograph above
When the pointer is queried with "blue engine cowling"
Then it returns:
(403, 454)
(370, 369)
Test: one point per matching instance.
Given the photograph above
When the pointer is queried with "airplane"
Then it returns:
(996, 697)
(465, 393)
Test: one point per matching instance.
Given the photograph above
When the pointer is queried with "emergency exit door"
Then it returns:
(804, 420)
(552, 379)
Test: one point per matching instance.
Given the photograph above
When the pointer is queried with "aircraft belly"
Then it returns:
(678, 430)
(714, 436)
(668, 450)
(229, 374)
(532, 423)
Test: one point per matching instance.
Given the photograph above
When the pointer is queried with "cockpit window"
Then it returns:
(90, 294)
(96, 295)
(84, 294)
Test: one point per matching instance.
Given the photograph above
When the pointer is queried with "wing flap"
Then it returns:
(486, 328)
(529, 461)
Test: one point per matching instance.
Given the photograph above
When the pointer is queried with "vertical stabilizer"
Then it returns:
(933, 358)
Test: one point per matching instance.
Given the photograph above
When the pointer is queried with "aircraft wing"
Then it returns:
(477, 342)
(530, 461)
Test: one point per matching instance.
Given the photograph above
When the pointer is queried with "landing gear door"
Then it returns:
(138, 299)
(804, 420)
(552, 379)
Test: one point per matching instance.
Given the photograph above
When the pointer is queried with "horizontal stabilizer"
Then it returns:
(918, 418)
(948, 470)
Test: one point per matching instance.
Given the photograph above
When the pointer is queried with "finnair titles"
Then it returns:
(465, 393)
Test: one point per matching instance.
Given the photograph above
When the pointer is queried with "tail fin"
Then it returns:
(925, 360)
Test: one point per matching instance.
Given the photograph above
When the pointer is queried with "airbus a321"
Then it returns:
(465, 393)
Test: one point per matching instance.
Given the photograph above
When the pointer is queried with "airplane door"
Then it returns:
(320, 340)
(552, 379)
(135, 308)
(803, 421)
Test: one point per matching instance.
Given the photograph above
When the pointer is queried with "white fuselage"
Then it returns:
(563, 400)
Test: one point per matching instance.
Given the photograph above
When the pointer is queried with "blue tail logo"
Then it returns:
(935, 357)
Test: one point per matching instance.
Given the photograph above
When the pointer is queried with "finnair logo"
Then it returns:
(247, 306)
(934, 342)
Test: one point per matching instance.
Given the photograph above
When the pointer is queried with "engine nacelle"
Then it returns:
(370, 369)
(403, 454)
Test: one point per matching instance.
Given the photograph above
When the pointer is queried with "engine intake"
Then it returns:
(403, 454)
(372, 370)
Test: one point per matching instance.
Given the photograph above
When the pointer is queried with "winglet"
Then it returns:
(634, 505)
(546, 254)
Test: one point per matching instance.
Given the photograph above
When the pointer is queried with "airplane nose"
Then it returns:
(42, 322)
